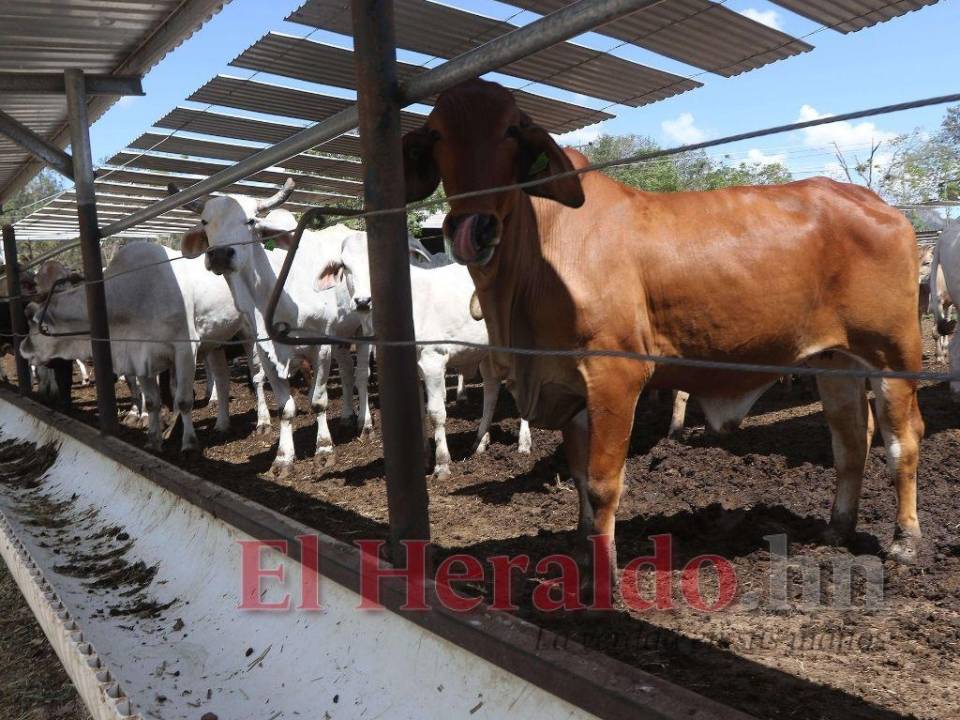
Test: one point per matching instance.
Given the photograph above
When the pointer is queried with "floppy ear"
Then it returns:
(277, 229)
(420, 172)
(329, 276)
(540, 157)
(194, 243)
(476, 312)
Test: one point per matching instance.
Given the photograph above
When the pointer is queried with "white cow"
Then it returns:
(441, 297)
(232, 234)
(162, 310)
(947, 258)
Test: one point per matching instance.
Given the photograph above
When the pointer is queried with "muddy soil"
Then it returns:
(899, 657)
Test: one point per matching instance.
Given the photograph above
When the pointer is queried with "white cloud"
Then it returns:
(770, 18)
(683, 130)
(583, 136)
(844, 134)
(853, 139)
(756, 156)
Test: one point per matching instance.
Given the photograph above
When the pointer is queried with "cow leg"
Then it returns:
(344, 358)
(902, 428)
(576, 447)
(953, 350)
(491, 389)
(461, 389)
(524, 443)
(84, 375)
(942, 345)
(364, 417)
(218, 375)
(851, 429)
(433, 367)
(259, 377)
(680, 399)
(181, 382)
(132, 417)
(325, 455)
(610, 411)
(283, 462)
(151, 405)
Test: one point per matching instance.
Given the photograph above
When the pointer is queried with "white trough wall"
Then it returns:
(340, 662)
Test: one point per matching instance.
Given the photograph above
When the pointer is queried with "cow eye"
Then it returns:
(251, 222)
(203, 222)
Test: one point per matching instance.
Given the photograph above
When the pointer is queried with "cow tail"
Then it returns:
(945, 326)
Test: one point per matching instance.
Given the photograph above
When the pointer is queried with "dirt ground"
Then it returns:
(33, 684)
(714, 495)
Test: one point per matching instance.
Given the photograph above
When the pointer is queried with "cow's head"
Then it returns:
(352, 264)
(230, 226)
(64, 312)
(477, 138)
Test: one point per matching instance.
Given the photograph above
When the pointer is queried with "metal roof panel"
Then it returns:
(445, 32)
(848, 16)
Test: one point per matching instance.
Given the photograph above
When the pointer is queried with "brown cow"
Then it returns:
(813, 271)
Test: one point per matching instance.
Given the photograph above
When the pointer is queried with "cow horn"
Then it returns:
(278, 199)
(195, 206)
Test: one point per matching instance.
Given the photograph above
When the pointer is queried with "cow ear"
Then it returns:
(328, 278)
(283, 240)
(540, 157)
(194, 243)
(420, 172)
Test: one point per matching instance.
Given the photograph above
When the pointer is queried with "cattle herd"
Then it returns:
(776, 275)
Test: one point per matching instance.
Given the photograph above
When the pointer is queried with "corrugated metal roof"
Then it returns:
(698, 32)
(326, 64)
(446, 32)
(177, 145)
(147, 161)
(99, 36)
(242, 128)
(273, 99)
(125, 177)
(848, 16)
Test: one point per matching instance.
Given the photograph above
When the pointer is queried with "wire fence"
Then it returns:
(576, 354)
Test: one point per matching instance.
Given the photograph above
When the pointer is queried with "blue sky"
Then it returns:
(911, 57)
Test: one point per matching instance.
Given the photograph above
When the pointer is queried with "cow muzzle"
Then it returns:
(220, 260)
(471, 238)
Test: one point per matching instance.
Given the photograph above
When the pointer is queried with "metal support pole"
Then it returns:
(90, 248)
(380, 146)
(18, 321)
(36, 145)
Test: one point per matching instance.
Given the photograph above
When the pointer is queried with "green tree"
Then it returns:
(925, 167)
(686, 171)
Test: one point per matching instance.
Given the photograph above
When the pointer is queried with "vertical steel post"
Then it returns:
(18, 321)
(380, 146)
(90, 247)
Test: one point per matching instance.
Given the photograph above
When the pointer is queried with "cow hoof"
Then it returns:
(225, 430)
(366, 434)
(130, 421)
(262, 430)
(281, 468)
(441, 472)
(154, 446)
(905, 548)
(348, 422)
(324, 461)
(190, 453)
(144, 422)
(836, 535)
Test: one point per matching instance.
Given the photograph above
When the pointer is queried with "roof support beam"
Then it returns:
(572, 20)
(36, 145)
(52, 83)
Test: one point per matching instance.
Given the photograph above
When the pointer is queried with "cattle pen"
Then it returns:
(131, 560)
